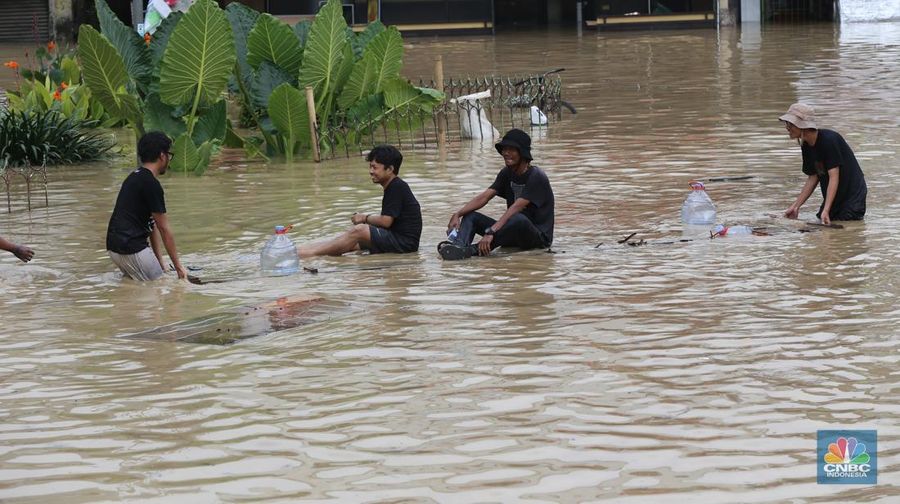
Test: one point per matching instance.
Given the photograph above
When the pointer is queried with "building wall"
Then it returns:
(62, 26)
(24, 21)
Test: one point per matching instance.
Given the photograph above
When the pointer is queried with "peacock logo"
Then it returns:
(847, 451)
(847, 457)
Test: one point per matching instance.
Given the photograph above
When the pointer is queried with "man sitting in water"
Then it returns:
(829, 162)
(140, 213)
(396, 229)
(528, 220)
(21, 251)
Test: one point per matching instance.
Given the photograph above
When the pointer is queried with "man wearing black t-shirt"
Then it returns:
(528, 220)
(396, 229)
(829, 162)
(140, 214)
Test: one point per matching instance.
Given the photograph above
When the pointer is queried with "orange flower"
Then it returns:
(147, 39)
(51, 46)
(64, 86)
(11, 64)
(57, 96)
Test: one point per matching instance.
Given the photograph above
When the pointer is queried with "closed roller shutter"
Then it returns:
(19, 18)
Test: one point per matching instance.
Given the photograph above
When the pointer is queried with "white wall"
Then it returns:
(853, 11)
(751, 11)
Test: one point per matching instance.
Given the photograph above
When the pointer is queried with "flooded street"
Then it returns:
(697, 370)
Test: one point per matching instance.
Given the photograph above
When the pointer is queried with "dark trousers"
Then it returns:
(518, 232)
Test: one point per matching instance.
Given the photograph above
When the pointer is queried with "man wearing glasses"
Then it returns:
(140, 214)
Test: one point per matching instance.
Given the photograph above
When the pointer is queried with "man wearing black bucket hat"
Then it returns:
(528, 220)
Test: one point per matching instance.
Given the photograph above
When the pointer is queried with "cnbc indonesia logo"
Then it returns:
(846, 459)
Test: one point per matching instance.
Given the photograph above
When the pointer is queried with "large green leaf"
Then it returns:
(430, 98)
(204, 153)
(386, 51)
(273, 40)
(133, 49)
(301, 30)
(381, 63)
(242, 19)
(265, 80)
(290, 115)
(71, 71)
(344, 70)
(362, 39)
(211, 125)
(360, 85)
(161, 37)
(324, 51)
(199, 57)
(104, 70)
(399, 94)
(160, 117)
(186, 155)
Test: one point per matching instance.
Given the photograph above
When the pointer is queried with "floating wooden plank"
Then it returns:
(246, 321)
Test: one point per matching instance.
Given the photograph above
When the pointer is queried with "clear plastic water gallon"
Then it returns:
(279, 256)
(698, 208)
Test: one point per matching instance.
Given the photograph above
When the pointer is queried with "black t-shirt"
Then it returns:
(130, 224)
(534, 186)
(831, 150)
(398, 202)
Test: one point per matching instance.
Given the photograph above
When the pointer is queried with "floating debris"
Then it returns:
(247, 321)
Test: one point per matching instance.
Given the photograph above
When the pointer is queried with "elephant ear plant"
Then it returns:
(174, 84)
(354, 77)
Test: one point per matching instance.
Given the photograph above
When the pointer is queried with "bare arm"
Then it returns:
(382, 221)
(22, 252)
(168, 239)
(805, 193)
(474, 204)
(834, 179)
(156, 245)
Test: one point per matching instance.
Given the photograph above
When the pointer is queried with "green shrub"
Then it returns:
(46, 137)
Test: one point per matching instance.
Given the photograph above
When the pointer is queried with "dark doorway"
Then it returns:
(520, 13)
(798, 11)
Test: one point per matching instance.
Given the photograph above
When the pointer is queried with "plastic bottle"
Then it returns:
(698, 208)
(279, 256)
(538, 118)
(722, 230)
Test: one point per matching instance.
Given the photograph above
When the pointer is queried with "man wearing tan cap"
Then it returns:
(829, 162)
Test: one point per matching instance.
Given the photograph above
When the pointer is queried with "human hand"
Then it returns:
(454, 222)
(791, 213)
(182, 273)
(358, 218)
(826, 219)
(484, 246)
(23, 253)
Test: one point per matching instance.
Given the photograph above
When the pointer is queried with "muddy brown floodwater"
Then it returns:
(699, 369)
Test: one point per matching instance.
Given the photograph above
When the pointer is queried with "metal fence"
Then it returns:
(28, 174)
(454, 120)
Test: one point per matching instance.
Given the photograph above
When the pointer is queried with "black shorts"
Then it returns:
(384, 241)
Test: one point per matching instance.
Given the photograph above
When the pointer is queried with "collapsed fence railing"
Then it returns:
(473, 108)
